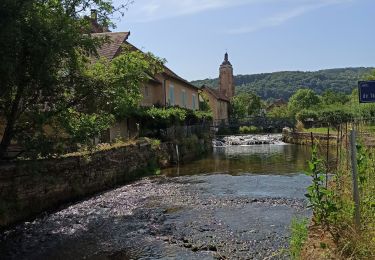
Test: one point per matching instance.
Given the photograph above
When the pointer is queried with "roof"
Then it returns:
(168, 72)
(111, 48)
(216, 93)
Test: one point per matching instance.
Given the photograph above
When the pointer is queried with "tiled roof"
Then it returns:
(170, 73)
(110, 49)
(216, 93)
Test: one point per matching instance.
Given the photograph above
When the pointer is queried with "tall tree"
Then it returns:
(45, 71)
(303, 99)
(245, 104)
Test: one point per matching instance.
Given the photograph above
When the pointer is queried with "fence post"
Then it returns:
(353, 151)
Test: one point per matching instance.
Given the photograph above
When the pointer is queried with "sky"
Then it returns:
(260, 36)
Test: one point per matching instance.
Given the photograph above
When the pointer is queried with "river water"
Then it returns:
(236, 203)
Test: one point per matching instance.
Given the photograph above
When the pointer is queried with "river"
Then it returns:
(236, 203)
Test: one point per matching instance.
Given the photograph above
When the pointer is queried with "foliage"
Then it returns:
(48, 79)
(159, 118)
(306, 115)
(321, 198)
(278, 112)
(353, 242)
(249, 130)
(203, 102)
(245, 104)
(298, 237)
(332, 115)
(120, 80)
(83, 127)
(155, 143)
(330, 97)
(42, 46)
(285, 83)
(203, 115)
(335, 115)
(303, 99)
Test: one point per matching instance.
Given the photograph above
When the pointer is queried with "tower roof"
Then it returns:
(226, 61)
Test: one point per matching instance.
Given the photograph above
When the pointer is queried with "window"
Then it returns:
(171, 95)
(146, 91)
(183, 98)
(193, 103)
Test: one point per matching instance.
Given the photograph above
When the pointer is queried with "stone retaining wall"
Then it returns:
(28, 188)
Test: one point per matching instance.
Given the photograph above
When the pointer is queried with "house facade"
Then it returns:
(219, 105)
(163, 90)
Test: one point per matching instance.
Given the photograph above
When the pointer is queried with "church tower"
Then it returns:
(226, 80)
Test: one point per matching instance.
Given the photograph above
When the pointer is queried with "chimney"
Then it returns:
(94, 15)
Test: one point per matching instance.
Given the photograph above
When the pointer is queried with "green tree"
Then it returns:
(47, 78)
(330, 97)
(245, 104)
(279, 112)
(303, 99)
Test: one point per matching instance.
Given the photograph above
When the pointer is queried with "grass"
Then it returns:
(298, 237)
(320, 130)
(354, 242)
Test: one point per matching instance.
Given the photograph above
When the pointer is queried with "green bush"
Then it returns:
(249, 130)
(158, 118)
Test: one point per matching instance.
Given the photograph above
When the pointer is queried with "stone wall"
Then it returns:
(28, 188)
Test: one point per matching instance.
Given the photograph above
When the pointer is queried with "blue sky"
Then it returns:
(259, 35)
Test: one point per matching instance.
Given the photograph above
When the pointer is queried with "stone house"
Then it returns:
(219, 105)
(163, 90)
(219, 99)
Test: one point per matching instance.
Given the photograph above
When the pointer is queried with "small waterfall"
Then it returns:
(248, 140)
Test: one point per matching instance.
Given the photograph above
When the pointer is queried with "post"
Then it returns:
(353, 149)
(327, 162)
(337, 146)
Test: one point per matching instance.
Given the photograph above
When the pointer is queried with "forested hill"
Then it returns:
(283, 84)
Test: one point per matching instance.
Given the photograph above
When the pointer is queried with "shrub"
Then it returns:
(249, 130)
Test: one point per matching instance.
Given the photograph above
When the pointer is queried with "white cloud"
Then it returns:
(151, 10)
(280, 18)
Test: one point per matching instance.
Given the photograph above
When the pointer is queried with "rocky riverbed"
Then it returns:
(193, 217)
(248, 140)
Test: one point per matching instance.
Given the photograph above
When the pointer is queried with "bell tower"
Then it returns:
(226, 80)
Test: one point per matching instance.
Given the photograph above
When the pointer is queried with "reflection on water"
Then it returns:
(254, 159)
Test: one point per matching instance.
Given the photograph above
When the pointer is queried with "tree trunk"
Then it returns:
(11, 121)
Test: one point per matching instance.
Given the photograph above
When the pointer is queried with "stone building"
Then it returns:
(226, 80)
(219, 99)
(163, 90)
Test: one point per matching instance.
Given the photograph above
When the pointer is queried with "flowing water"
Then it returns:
(236, 203)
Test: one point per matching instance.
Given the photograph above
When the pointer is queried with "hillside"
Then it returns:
(283, 84)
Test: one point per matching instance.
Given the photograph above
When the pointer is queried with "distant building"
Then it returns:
(226, 79)
(277, 103)
(219, 99)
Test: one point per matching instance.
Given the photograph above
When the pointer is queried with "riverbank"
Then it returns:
(28, 188)
(210, 215)
(305, 138)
